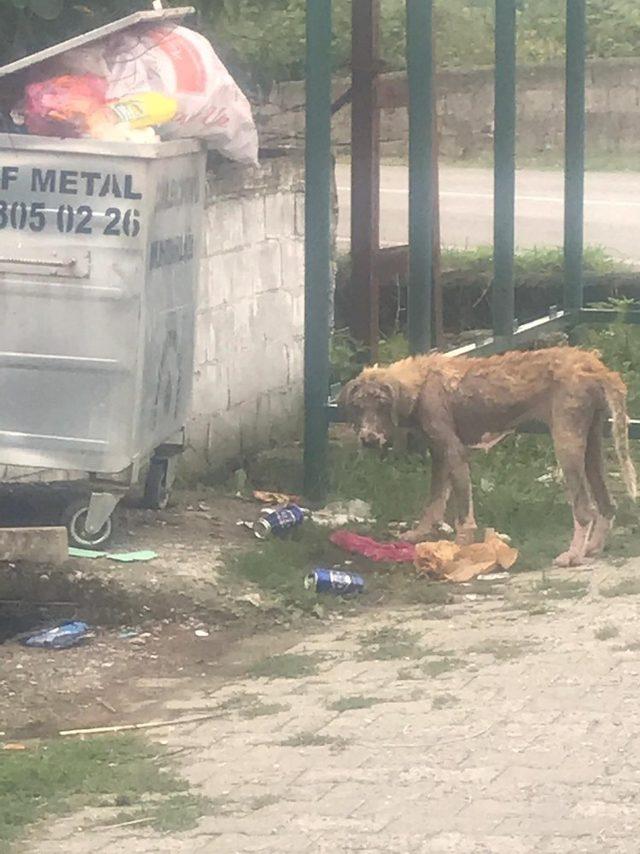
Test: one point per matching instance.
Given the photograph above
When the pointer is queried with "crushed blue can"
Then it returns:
(60, 637)
(279, 521)
(334, 581)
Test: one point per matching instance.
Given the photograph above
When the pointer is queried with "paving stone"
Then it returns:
(535, 755)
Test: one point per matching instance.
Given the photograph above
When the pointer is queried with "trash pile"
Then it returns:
(441, 560)
(141, 85)
(448, 561)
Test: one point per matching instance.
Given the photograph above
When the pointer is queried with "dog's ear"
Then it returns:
(346, 394)
(404, 401)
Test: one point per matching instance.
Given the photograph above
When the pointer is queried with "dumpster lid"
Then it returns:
(145, 17)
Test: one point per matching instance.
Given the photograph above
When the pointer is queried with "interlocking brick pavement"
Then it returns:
(528, 743)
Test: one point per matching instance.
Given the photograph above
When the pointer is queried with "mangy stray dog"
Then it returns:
(460, 403)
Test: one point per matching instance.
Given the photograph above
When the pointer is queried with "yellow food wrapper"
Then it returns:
(450, 562)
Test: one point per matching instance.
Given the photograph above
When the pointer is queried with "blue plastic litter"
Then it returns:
(60, 637)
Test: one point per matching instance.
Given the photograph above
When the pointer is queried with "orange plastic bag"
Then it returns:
(450, 562)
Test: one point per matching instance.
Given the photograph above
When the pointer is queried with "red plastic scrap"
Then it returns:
(390, 552)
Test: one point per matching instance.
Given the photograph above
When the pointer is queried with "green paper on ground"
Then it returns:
(132, 557)
(88, 553)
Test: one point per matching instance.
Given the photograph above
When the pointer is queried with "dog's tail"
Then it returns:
(616, 395)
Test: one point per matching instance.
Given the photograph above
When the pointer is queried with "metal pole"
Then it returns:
(504, 189)
(318, 182)
(421, 196)
(365, 173)
(574, 155)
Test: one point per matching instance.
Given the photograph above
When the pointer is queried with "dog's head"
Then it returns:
(375, 406)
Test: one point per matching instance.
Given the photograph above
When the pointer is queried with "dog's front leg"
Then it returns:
(461, 481)
(433, 516)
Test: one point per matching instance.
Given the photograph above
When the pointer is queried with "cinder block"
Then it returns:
(292, 252)
(280, 215)
(224, 225)
(253, 220)
(34, 545)
(268, 261)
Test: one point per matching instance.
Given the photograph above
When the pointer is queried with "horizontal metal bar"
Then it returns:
(524, 334)
(39, 262)
(46, 361)
(37, 441)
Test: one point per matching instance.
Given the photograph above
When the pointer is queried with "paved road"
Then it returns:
(494, 727)
(612, 209)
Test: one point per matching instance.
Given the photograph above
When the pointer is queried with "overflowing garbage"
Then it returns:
(142, 84)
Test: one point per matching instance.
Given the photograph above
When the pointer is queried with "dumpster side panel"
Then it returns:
(172, 268)
(73, 230)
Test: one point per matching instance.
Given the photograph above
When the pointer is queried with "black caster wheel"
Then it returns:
(74, 517)
(156, 487)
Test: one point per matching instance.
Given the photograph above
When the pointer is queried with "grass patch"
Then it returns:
(389, 643)
(263, 801)
(561, 588)
(59, 777)
(634, 646)
(348, 704)
(250, 706)
(606, 632)
(627, 587)
(407, 674)
(435, 667)
(444, 701)
(503, 650)
(286, 666)
(312, 739)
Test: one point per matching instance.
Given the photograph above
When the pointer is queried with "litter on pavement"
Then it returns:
(60, 637)
(341, 513)
(395, 551)
(448, 561)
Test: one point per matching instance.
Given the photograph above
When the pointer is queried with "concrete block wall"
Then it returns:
(465, 108)
(248, 373)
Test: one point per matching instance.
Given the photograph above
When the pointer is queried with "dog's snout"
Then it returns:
(369, 439)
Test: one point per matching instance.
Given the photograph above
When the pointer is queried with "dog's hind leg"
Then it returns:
(571, 422)
(594, 463)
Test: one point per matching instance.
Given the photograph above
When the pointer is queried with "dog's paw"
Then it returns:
(569, 558)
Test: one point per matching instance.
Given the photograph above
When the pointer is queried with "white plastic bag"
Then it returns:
(182, 64)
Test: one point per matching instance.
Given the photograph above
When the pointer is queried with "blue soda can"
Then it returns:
(334, 581)
(279, 521)
(61, 637)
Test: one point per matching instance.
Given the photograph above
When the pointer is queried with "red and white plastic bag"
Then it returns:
(181, 64)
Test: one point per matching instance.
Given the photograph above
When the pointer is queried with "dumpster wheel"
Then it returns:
(157, 487)
(73, 518)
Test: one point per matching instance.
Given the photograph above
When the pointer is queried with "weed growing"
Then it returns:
(59, 777)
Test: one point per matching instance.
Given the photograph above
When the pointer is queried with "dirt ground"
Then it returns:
(144, 616)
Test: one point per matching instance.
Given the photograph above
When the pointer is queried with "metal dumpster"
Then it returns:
(99, 259)
(99, 256)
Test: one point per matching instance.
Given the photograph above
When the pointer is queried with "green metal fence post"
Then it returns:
(574, 155)
(421, 202)
(318, 182)
(504, 169)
